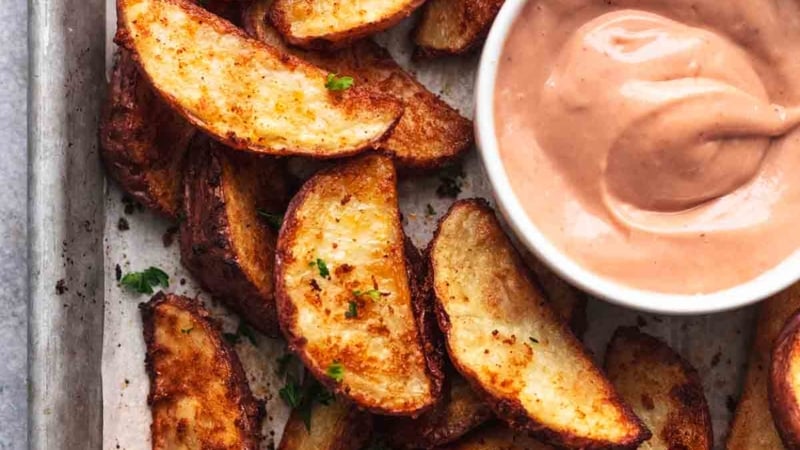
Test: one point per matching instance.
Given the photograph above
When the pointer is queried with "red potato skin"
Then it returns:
(784, 399)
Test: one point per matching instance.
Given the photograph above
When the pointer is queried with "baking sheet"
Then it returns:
(715, 345)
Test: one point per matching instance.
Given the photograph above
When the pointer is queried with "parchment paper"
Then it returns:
(716, 345)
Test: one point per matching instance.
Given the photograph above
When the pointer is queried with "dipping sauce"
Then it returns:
(655, 142)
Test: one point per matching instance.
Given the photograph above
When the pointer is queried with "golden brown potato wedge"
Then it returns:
(233, 205)
(784, 383)
(450, 27)
(346, 302)
(244, 92)
(663, 389)
(507, 341)
(336, 23)
(142, 141)
(498, 436)
(199, 396)
(336, 426)
(753, 426)
(429, 134)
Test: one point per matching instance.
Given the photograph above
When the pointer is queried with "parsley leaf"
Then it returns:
(291, 393)
(336, 371)
(143, 282)
(534, 340)
(322, 267)
(274, 220)
(374, 294)
(429, 210)
(337, 83)
(451, 179)
(232, 338)
(352, 310)
(241, 331)
(283, 363)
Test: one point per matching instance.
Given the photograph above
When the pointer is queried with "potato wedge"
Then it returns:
(663, 389)
(142, 141)
(507, 341)
(784, 387)
(498, 436)
(567, 301)
(346, 302)
(243, 92)
(753, 426)
(199, 396)
(430, 133)
(233, 205)
(336, 23)
(336, 426)
(451, 27)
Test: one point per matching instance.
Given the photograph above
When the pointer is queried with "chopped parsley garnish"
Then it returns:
(242, 331)
(336, 83)
(534, 340)
(372, 293)
(301, 397)
(283, 363)
(232, 338)
(144, 281)
(352, 310)
(429, 210)
(274, 220)
(336, 371)
(451, 180)
(322, 267)
(187, 330)
(291, 393)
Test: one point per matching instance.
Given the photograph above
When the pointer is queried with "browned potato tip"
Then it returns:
(784, 383)
(506, 340)
(451, 27)
(429, 134)
(234, 204)
(199, 395)
(753, 426)
(498, 436)
(335, 426)
(663, 389)
(244, 92)
(142, 141)
(346, 301)
(335, 23)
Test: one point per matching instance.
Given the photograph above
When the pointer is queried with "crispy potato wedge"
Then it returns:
(337, 426)
(498, 436)
(226, 242)
(753, 426)
(142, 141)
(243, 92)
(784, 383)
(336, 23)
(430, 133)
(507, 341)
(451, 27)
(347, 304)
(663, 389)
(199, 396)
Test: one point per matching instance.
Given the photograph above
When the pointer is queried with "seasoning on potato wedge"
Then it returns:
(199, 396)
(753, 425)
(498, 436)
(784, 386)
(506, 340)
(142, 141)
(234, 202)
(336, 23)
(347, 304)
(451, 27)
(429, 134)
(663, 390)
(335, 426)
(243, 92)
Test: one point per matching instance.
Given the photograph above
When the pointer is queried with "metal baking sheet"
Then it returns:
(88, 386)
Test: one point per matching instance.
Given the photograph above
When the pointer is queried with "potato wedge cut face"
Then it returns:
(508, 342)
(344, 299)
(332, 427)
(325, 23)
(784, 383)
(499, 437)
(454, 26)
(243, 92)
(663, 389)
(199, 395)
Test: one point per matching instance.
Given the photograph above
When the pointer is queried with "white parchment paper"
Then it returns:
(716, 345)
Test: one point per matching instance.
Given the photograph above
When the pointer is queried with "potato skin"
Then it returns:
(453, 27)
(224, 243)
(143, 142)
(784, 397)
(337, 426)
(189, 364)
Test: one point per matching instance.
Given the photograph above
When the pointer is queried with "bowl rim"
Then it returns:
(767, 284)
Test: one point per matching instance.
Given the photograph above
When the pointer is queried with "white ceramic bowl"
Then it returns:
(744, 294)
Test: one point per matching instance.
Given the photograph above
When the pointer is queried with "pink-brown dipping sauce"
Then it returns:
(655, 142)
